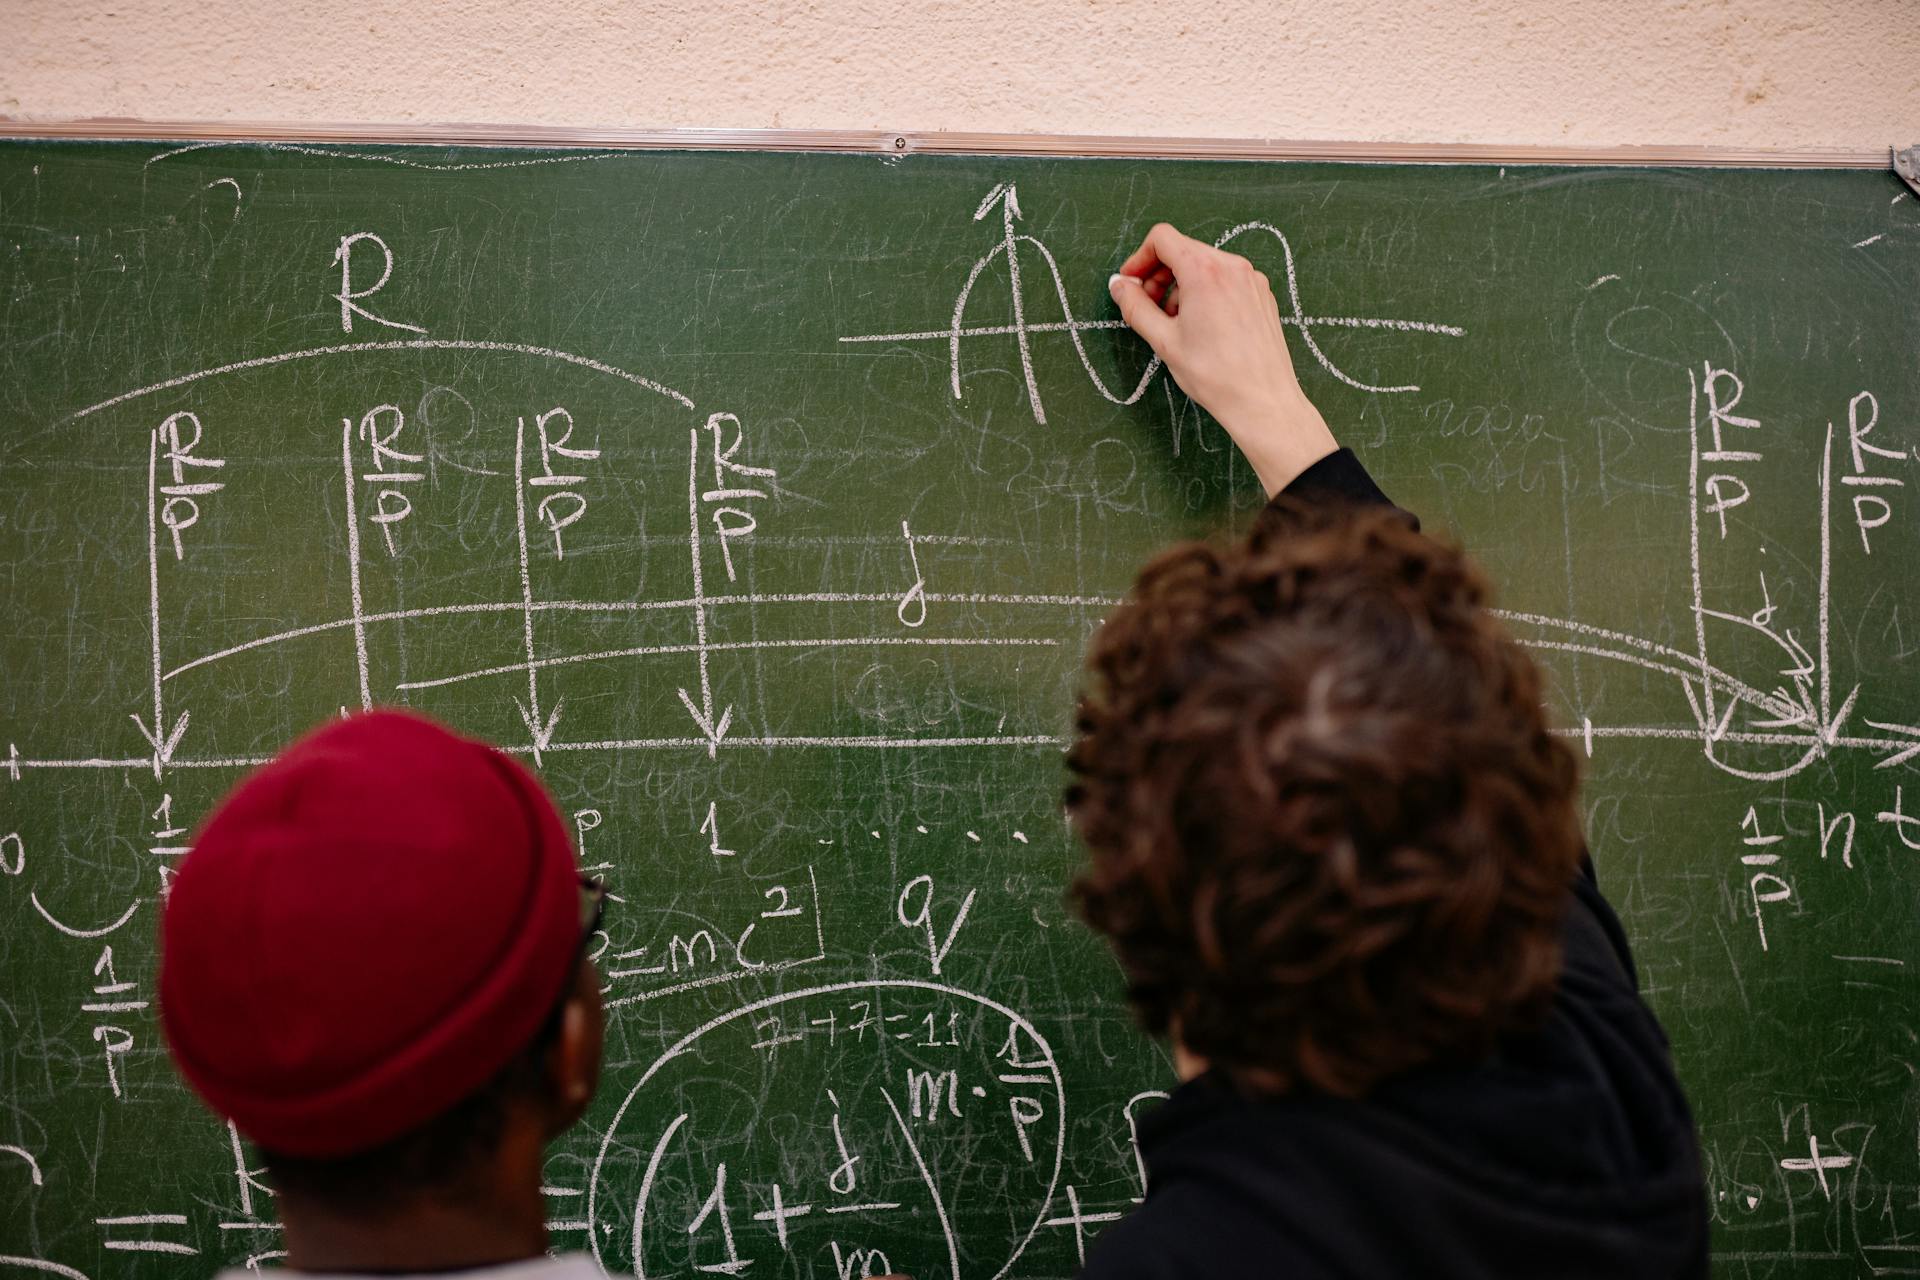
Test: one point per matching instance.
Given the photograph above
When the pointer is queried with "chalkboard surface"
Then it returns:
(764, 503)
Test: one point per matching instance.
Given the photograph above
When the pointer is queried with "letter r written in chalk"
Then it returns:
(349, 296)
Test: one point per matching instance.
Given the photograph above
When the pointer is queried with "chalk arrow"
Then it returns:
(542, 733)
(1008, 198)
(704, 718)
(162, 749)
(1716, 729)
(1800, 713)
(1831, 732)
(1903, 754)
(1719, 731)
(1791, 710)
(1693, 704)
(1005, 191)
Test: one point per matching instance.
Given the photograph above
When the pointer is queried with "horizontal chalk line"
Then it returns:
(856, 742)
(402, 161)
(641, 606)
(148, 1246)
(1060, 326)
(400, 344)
(859, 742)
(643, 651)
(712, 979)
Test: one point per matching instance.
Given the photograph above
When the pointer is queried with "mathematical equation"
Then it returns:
(580, 562)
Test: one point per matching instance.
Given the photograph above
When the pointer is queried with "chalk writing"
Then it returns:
(349, 297)
(805, 730)
(1006, 198)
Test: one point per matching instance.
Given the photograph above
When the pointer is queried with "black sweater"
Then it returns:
(1568, 1154)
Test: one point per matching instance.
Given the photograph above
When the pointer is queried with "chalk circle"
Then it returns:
(908, 1126)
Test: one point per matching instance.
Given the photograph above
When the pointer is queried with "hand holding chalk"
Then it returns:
(1211, 316)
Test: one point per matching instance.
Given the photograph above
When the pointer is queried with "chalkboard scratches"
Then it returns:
(398, 344)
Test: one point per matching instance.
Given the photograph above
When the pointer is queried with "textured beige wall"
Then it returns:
(1769, 73)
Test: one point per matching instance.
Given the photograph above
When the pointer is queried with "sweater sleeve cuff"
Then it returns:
(1339, 477)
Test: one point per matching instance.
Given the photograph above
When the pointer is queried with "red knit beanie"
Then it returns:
(366, 931)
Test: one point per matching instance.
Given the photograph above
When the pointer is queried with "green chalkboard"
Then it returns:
(764, 503)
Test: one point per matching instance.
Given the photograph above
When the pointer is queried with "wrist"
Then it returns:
(1281, 442)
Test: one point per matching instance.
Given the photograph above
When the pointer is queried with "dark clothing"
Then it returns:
(1570, 1153)
(1338, 477)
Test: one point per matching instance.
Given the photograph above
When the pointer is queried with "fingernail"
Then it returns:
(1113, 283)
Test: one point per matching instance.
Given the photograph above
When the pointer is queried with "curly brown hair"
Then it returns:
(1331, 834)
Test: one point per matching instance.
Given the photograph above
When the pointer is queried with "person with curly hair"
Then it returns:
(1337, 850)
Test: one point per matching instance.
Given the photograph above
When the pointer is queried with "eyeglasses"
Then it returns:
(593, 909)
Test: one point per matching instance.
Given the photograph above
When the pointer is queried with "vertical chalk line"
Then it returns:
(698, 603)
(819, 929)
(640, 1202)
(1826, 573)
(699, 583)
(534, 722)
(1693, 552)
(959, 311)
(933, 1188)
(153, 590)
(353, 564)
(1010, 209)
(1566, 544)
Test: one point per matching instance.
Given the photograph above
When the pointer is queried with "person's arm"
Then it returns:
(1211, 316)
(1340, 477)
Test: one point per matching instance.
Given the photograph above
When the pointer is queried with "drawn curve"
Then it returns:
(687, 1041)
(402, 161)
(69, 930)
(41, 1264)
(398, 344)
